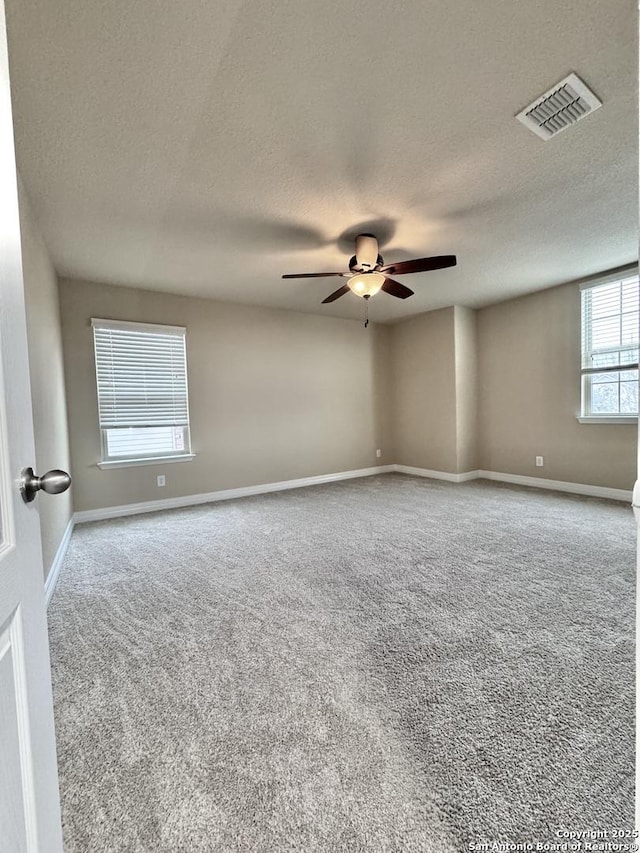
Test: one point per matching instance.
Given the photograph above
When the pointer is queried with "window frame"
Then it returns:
(152, 458)
(586, 416)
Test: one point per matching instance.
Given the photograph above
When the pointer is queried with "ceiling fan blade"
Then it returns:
(394, 288)
(337, 294)
(314, 274)
(420, 265)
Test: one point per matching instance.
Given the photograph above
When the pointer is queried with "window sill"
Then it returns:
(156, 460)
(594, 419)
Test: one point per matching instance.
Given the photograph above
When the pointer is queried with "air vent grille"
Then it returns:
(561, 107)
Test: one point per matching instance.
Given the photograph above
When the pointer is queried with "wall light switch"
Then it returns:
(539, 461)
(161, 480)
(378, 453)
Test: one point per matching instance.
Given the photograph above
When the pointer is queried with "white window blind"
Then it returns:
(610, 342)
(141, 373)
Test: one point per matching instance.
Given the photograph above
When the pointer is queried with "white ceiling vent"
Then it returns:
(562, 106)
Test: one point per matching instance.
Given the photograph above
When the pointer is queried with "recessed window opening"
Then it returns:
(143, 407)
(610, 342)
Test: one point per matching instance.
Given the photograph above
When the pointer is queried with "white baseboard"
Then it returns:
(229, 494)
(521, 480)
(559, 486)
(436, 475)
(56, 565)
(223, 495)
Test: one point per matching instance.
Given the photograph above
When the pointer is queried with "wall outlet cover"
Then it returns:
(161, 480)
(539, 461)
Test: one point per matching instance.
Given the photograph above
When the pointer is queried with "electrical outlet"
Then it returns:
(378, 453)
(161, 480)
(539, 461)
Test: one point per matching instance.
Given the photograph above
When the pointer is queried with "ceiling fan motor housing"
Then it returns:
(366, 256)
(354, 266)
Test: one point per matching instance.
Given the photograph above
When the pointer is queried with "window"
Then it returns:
(610, 332)
(143, 407)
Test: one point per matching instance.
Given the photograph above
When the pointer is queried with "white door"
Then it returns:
(636, 512)
(29, 801)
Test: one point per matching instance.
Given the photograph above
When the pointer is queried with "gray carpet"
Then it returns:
(385, 664)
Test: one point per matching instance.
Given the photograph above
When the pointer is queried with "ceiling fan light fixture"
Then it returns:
(366, 283)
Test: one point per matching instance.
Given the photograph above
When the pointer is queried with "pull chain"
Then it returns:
(366, 312)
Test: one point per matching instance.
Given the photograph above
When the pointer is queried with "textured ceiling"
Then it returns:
(208, 147)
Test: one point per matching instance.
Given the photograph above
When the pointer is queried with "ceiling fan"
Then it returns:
(368, 274)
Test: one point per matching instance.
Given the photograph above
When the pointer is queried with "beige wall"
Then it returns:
(274, 395)
(424, 391)
(383, 392)
(47, 376)
(492, 389)
(277, 395)
(529, 391)
(434, 397)
(466, 345)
